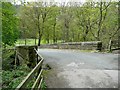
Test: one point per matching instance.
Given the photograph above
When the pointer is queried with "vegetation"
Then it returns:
(30, 42)
(42, 22)
(71, 22)
(83, 22)
(11, 76)
(9, 24)
(43, 85)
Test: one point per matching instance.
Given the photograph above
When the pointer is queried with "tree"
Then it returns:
(85, 18)
(27, 27)
(88, 21)
(66, 19)
(36, 17)
(110, 26)
(52, 22)
(9, 24)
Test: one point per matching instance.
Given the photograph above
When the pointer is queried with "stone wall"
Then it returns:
(26, 55)
(93, 45)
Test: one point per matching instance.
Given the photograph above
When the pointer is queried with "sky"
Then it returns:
(59, 1)
(63, 0)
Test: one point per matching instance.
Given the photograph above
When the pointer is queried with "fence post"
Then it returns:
(15, 59)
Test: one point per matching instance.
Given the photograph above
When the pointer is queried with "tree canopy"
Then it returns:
(71, 22)
(9, 24)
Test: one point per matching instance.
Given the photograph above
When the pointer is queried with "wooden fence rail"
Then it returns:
(36, 70)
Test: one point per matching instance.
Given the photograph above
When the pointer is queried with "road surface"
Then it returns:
(76, 69)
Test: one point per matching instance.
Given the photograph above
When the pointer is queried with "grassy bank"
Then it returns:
(32, 42)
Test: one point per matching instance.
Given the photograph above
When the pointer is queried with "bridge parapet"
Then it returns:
(25, 54)
(92, 45)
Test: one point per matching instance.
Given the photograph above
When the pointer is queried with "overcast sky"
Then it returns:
(59, 1)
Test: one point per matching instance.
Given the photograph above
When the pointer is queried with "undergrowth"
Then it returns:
(11, 76)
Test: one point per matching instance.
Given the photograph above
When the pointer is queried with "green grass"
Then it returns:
(32, 42)
(89, 50)
(28, 42)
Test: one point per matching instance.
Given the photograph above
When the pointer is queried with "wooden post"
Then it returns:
(37, 57)
(15, 59)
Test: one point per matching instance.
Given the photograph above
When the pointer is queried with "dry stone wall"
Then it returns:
(93, 45)
(26, 55)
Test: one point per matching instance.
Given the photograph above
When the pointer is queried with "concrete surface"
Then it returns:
(76, 69)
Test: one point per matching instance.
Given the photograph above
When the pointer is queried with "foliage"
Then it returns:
(8, 59)
(52, 23)
(89, 21)
(44, 21)
(43, 85)
(30, 41)
(11, 77)
(9, 24)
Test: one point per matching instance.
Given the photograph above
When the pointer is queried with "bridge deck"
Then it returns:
(75, 69)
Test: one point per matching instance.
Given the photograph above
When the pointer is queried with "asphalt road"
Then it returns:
(76, 69)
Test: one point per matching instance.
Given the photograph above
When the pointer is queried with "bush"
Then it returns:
(11, 79)
(8, 57)
(43, 85)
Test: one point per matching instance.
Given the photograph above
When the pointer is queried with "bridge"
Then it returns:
(73, 68)
(76, 69)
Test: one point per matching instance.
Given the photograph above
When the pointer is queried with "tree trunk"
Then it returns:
(63, 36)
(110, 45)
(86, 33)
(78, 37)
(56, 39)
(54, 32)
(100, 22)
(73, 36)
(35, 41)
(54, 36)
(67, 35)
(47, 39)
(39, 40)
(25, 41)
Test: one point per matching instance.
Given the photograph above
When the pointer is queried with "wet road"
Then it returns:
(76, 69)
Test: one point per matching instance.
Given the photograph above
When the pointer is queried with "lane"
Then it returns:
(75, 69)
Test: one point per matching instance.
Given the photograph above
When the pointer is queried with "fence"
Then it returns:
(35, 73)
